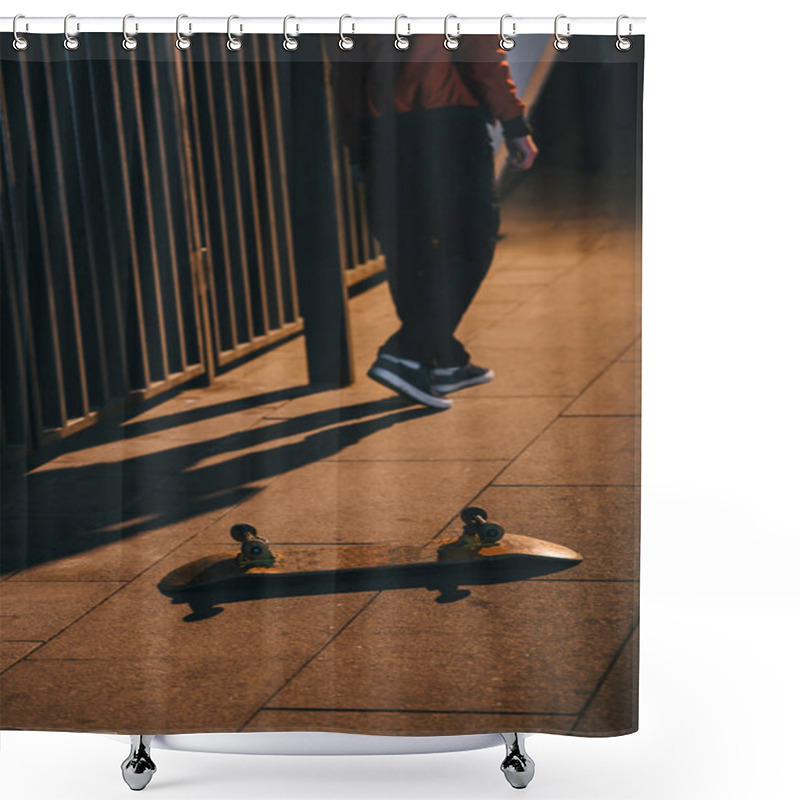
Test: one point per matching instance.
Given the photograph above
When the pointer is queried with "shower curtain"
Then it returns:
(320, 385)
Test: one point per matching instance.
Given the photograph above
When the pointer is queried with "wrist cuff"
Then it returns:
(515, 128)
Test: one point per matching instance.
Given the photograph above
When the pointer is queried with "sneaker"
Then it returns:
(408, 378)
(451, 379)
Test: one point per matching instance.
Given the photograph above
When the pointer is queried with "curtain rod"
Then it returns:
(512, 26)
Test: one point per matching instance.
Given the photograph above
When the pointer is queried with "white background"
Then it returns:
(719, 677)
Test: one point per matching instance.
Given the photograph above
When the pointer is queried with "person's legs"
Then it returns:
(434, 212)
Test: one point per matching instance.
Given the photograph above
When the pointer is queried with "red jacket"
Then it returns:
(431, 76)
(427, 75)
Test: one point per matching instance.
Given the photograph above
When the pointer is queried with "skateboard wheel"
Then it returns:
(472, 513)
(241, 532)
(491, 533)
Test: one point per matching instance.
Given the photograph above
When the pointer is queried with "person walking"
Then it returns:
(429, 167)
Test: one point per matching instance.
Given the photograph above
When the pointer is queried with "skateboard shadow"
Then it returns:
(447, 579)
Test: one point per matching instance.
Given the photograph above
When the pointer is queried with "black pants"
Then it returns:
(430, 182)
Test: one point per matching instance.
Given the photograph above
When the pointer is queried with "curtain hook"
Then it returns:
(451, 42)
(20, 42)
(129, 42)
(182, 42)
(622, 44)
(71, 42)
(234, 42)
(401, 42)
(346, 42)
(506, 42)
(561, 42)
(289, 43)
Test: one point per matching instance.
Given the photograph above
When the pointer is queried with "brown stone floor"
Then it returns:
(551, 448)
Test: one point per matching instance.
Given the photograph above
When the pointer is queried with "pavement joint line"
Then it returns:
(422, 711)
(314, 655)
(601, 416)
(475, 497)
(614, 659)
(560, 415)
(599, 375)
(560, 274)
(124, 584)
(568, 485)
(407, 460)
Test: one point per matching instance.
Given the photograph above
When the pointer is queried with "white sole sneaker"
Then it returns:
(395, 382)
(446, 388)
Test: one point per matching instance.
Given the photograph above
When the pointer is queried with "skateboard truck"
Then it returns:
(255, 551)
(478, 531)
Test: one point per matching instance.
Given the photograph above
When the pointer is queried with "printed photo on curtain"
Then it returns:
(320, 384)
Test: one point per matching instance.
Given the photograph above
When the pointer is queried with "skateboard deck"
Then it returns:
(482, 542)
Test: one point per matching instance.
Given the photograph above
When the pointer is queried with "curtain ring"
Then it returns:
(346, 42)
(561, 42)
(622, 44)
(20, 42)
(451, 42)
(129, 42)
(506, 42)
(70, 42)
(401, 42)
(234, 42)
(289, 43)
(182, 42)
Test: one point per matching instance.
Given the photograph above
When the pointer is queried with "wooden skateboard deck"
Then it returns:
(481, 543)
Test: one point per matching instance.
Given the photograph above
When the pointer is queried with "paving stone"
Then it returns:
(599, 522)
(525, 276)
(573, 334)
(525, 647)
(357, 464)
(535, 372)
(278, 446)
(473, 428)
(270, 636)
(363, 399)
(120, 551)
(491, 292)
(580, 451)
(615, 708)
(404, 723)
(360, 501)
(616, 392)
(38, 611)
(140, 695)
(11, 652)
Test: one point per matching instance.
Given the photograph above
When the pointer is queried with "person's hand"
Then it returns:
(522, 152)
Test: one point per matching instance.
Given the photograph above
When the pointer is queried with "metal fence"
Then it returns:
(147, 228)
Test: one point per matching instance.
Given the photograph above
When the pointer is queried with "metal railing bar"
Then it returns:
(202, 224)
(201, 290)
(129, 218)
(154, 266)
(349, 206)
(69, 253)
(18, 295)
(170, 225)
(260, 264)
(220, 211)
(241, 238)
(84, 192)
(47, 265)
(269, 188)
(112, 271)
(283, 178)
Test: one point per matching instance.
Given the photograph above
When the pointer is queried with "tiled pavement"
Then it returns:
(550, 448)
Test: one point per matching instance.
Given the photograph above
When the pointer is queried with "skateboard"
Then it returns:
(483, 553)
